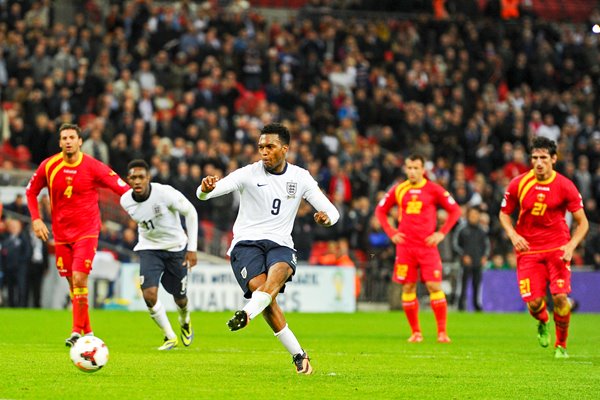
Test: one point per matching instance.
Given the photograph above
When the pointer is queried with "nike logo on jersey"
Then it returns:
(261, 184)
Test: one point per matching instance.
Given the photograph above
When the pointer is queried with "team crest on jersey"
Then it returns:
(560, 283)
(540, 197)
(156, 209)
(69, 180)
(291, 188)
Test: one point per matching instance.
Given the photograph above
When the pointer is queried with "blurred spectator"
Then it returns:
(302, 234)
(359, 216)
(369, 91)
(497, 262)
(41, 137)
(517, 165)
(16, 253)
(338, 181)
(126, 86)
(36, 270)
(18, 206)
(472, 245)
(163, 174)
(337, 254)
(592, 249)
(94, 145)
(583, 177)
(378, 273)
(120, 154)
(549, 129)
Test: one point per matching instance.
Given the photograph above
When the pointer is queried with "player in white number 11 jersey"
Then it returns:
(262, 253)
(166, 252)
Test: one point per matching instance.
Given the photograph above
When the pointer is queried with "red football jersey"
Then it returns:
(542, 207)
(417, 214)
(73, 194)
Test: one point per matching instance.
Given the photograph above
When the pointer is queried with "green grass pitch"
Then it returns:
(355, 356)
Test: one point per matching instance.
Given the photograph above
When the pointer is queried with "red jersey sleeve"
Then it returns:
(511, 200)
(108, 178)
(447, 202)
(573, 197)
(34, 187)
(383, 208)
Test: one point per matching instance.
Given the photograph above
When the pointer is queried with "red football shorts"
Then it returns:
(412, 260)
(535, 270)
(76, 256)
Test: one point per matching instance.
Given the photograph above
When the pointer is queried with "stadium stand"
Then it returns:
(358, 85)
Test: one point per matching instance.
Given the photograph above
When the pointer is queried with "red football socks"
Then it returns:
(562, 317)
(410, 304)
(81, 317)
(541, 313)
(439, 305)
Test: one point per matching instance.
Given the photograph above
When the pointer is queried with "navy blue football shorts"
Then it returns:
(165, 267)
(250, 258)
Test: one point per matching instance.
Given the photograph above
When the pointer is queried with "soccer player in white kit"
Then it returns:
(166, 252)
(262, 252)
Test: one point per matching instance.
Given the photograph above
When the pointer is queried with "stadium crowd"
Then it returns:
(187, 87)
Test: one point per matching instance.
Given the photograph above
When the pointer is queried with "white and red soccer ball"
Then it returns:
(89, 354)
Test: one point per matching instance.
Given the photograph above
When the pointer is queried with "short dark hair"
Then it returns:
(541, 142)
(138, 163)
(279, 130)
(74, 127)
(416, 157)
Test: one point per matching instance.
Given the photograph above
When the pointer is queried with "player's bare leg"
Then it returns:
(537, 309)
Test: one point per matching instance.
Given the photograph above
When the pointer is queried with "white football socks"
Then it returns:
(256, 305)
(288, 340)
(159, 315)
(184, 314)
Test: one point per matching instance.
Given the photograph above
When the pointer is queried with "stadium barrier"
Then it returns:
(500, 292)
(214, 288)
(314, 289)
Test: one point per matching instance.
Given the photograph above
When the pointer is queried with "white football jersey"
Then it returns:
(269, 202)
(159, 224)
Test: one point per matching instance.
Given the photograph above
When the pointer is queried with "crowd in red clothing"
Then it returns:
(188, 85)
